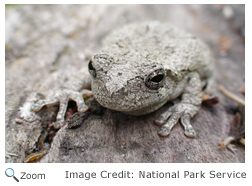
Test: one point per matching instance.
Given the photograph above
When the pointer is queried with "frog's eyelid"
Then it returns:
(154, 80)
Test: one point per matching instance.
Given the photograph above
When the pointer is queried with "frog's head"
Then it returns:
(131, 87)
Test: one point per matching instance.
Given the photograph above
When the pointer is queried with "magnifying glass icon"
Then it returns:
(10, 173)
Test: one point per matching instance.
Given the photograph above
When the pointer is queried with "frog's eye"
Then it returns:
(91, 68)
(155, 79)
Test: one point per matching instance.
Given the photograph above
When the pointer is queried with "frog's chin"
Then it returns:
(137, 111)
(144, 110)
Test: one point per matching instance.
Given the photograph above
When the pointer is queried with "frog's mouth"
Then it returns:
(144, 110)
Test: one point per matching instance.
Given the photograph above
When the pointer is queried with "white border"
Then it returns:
(56, 172)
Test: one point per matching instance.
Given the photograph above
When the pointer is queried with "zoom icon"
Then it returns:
(10, 173)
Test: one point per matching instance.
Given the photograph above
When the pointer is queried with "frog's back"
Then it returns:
(163, 43)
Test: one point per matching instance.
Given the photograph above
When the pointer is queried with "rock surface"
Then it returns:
(47, 44)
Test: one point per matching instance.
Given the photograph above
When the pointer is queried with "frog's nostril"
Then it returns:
(123, 91)
(116, 90)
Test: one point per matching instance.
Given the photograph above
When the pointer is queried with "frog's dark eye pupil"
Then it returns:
(90, 65)
(91, 68)
(155, 79)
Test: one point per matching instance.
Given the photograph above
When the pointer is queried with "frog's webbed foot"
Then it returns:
(62, 97)
(169, 118)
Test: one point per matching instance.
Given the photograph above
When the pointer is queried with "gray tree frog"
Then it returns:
(139, 68)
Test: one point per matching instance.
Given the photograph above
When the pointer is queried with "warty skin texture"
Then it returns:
(139, 68)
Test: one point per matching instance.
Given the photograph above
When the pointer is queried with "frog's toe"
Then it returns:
(82, 107)
(162, 119)
(37, 105)
(173, 119)
(185, 121)
(58, 124)
(165, 131)
(78, 98)
(190, 133)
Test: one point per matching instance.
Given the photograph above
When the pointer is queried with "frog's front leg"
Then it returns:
(185, 110)
(71, 91)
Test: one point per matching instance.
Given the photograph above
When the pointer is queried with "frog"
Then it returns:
(139, 68)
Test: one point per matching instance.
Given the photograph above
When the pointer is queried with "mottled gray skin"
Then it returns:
(141, 67)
